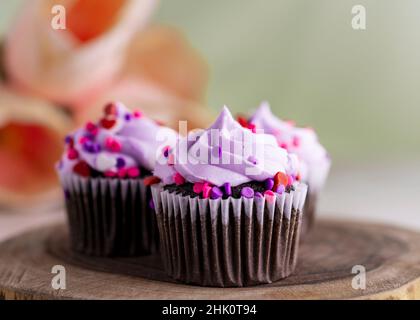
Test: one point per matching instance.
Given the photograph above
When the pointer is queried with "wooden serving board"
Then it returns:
(391, 257)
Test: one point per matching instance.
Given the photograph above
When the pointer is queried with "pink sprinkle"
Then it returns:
(206, 191)
(122, 173)
(110, 174)
(90, 126)
(252, 127)
(72, 154)
(270, 196)
(83, 140)
(283, 145)
(113, 144)
(178, 179)
(289, 180)
(198, 187)
(137, 114)
(133, 172)
(296, 141)
(171, 159)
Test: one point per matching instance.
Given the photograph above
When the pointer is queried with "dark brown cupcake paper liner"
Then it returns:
(110, 217)
(231, 242)
(309, 209)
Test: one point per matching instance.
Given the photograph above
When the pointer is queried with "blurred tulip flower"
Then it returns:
(31, 140)
(66, 66)
(107, 52)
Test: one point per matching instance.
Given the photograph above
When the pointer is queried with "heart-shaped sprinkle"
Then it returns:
(122, 173)
(206, 191)
(178, 179)
(242, 121)
(110, 174)
(270, 196)
(280, 178)
(72, 154)
(148, 181)
(82, 168)
(108, 123)
(133, 172)
(113, 144)
(110, 109)
(137, 114)
(198, 187)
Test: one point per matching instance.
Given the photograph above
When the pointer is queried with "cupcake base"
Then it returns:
(110, 217)
(309, 213)
(229, 242)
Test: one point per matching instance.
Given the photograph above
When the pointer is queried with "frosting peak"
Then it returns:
(225, 152)
(225, 121)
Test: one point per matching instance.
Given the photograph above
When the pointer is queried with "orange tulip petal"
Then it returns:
(89, 19)
(31, 142)
(28, 153)
(163, 56)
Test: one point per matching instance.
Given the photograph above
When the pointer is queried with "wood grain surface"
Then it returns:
(391, 257)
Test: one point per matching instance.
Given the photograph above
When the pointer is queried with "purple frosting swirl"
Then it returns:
(303, 142)
(225, 152)
(132, 141)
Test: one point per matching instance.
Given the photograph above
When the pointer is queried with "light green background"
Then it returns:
(359, 89)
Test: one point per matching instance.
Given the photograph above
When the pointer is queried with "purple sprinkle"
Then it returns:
(151, 204)
(216, 193)
(120, 163)
(259, 195)
(89, 136)
(127, 117)
(252, 159)
(269, 184)
(280, 189)
(68, 139)
(96, 147)
(247, 192)
(220, 152)
(88, 146)
(166, 152)
(91, 147)
(228, 189)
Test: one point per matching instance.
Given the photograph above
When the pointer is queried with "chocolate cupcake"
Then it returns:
(106, 175)
(314, 161)
(228, 210)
